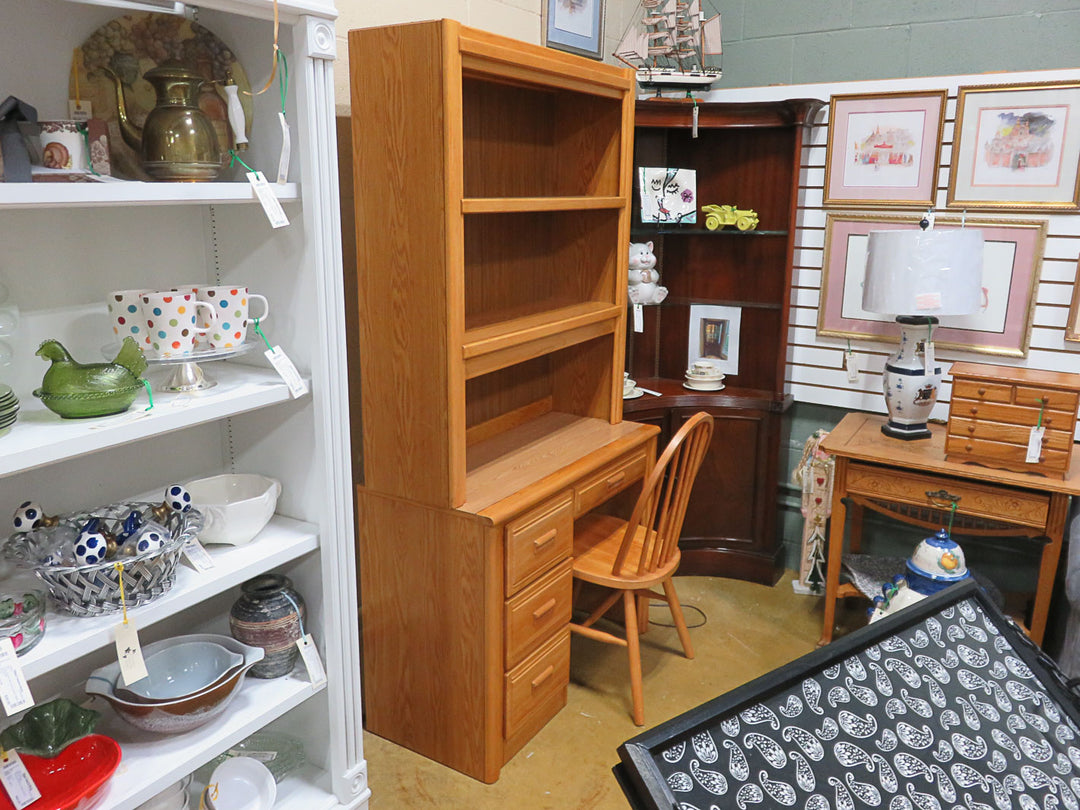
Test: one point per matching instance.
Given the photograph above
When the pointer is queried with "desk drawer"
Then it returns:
(539, 677)
(982, 391)
(538, 611)
(1023, 507)
(613, 478)
(992, 412)
(1010, 434)
(538, 539)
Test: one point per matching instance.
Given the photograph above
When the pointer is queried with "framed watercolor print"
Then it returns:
(883, 149)
(575, 26)
(1012, 260)
(1017, 146)
(714, 335)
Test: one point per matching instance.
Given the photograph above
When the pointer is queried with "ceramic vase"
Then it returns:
(266, 616)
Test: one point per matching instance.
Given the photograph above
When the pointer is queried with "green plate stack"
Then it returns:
(9, 408)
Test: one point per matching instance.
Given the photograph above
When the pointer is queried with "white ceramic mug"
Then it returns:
(63, 146)
(125, 311)
(231, 307)
(170, 322)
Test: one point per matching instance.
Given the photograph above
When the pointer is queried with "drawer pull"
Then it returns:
(942, 498)
(971, 429)
(967, 447)
(616, 480)
(543, 676)
(544, 539)
(544, 609)
(974, 410)
(982, 391)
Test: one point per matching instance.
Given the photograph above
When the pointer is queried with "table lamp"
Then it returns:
(918, 275)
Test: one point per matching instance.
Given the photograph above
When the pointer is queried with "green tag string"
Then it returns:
(952, 514)
(235, 158)
(283, 78)
(930, 334)
(1042, 407)
(84, 130)
(149, 394)
(259, 332)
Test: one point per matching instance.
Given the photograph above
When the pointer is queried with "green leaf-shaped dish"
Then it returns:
(47, 729)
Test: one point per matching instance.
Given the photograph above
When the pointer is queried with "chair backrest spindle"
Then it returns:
(665, 493)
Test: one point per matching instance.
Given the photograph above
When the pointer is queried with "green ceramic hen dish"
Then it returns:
(76, 390)
(46, 730)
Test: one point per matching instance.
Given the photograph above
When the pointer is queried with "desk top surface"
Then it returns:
(859, 436)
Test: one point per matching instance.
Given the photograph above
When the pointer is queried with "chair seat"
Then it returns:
(597, 539)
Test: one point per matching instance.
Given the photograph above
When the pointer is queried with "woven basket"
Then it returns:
(93, 590)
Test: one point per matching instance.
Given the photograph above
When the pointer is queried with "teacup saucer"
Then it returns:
(637, 392)
(716, 385)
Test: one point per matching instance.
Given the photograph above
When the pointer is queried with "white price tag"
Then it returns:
(17, 782)
(199, 558)
(129, 653)
(286, 150)
(928, 357)
(269, 202)
(284, 366)
(80, 110)
(14, 691)
(928, 301)
(310, 653)
(639, 318)
(851, 364)
(1034, 448)
(693, 127)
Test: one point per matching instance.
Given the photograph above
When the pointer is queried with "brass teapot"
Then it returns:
(177, 141)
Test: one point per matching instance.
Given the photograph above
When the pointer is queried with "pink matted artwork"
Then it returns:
(883, 149)
(1012, 259)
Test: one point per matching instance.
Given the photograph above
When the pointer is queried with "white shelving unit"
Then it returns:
(66, 247)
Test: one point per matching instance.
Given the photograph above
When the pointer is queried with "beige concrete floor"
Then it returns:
(749, 630)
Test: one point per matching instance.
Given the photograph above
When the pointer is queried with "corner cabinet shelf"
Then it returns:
(70, 245)
(748, 155)
(491, 312)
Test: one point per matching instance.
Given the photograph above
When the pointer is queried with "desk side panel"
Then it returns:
(430, 620)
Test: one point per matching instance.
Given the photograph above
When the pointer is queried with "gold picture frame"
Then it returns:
(884, 149)
(1017, 147)
(1013, 261)
(1072, 328)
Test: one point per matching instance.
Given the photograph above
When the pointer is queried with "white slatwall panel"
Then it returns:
(815, 371)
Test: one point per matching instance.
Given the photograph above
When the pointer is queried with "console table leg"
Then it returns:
(1055, 532)
(836, 548)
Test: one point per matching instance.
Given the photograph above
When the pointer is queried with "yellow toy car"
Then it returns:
(717, 216)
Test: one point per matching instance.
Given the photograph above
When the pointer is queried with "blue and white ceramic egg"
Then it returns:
(151, 538)
(28, 516)
(178, 498)
(91, 547)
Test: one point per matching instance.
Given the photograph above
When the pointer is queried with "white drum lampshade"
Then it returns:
(917, 275)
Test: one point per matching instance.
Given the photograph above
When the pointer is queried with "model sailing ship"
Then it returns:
(668, 45)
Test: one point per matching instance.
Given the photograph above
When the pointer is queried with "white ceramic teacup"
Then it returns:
(231, 306)
(125, 311)
(63, 145)
(703, 368)
(170, 322)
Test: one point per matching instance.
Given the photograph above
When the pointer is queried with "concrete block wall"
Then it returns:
(807, 41)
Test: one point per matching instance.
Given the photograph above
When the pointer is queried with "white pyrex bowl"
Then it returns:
(235, 506)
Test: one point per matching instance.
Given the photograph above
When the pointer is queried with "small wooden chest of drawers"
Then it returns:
(994, 408)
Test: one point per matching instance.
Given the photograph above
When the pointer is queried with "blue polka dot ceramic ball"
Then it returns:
(27, 516)
(150, 540)
(90, 548)
(178, 498)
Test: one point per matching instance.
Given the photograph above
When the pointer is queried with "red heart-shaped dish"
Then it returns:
(72, 776)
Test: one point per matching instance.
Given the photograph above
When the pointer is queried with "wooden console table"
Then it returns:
(911, 481)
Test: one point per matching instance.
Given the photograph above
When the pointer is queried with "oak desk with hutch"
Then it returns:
(911, 481)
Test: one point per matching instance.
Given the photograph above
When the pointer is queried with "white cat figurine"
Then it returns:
(644, 279)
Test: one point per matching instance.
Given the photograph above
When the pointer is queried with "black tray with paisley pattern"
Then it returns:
(943, 705)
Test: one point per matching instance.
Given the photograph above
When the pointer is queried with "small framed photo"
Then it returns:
(1012, 262)
(714, 336)
(575, 26)
(1017, 146)
(883, 149)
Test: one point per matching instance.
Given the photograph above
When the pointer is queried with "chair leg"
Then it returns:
(633, 647)
(677, 615)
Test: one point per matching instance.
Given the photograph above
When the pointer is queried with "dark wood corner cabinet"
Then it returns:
(749, 155)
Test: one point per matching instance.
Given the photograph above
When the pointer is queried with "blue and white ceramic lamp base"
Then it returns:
(910, 387)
